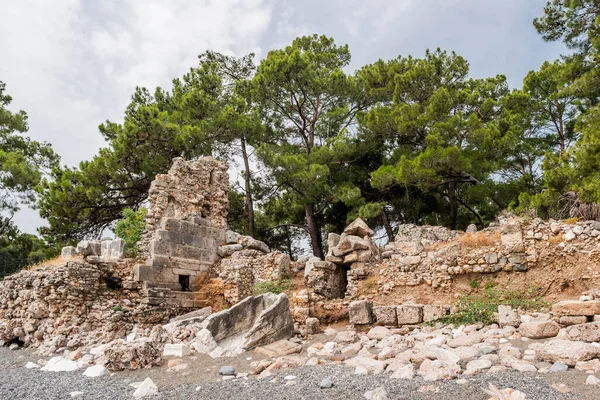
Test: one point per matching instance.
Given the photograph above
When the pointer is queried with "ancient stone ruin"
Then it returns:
(192, 290)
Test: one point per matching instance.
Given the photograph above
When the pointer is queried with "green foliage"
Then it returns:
(474, 284)
(18, 250)
(22, 160)
(130, 228)
(476, 308)
(273, 287)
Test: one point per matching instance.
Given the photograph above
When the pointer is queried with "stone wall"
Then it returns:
(73, 306)
(434, 255)
(185, 224)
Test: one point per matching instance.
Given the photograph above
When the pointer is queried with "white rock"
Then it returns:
(76, 394)
(146, 388)
(99, 350)
(405, 372)
(376, 394)
(95, 371)
(59, 364)
(31, 365)
(131, 337)
(360, 370)
(378, 332)
(177, 350)
(446, 356)
(476, 366)
(592, 380)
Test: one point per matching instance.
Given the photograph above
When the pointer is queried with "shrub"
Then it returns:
(474, 284)
(481, 307)
(274, 287)
(130, 229)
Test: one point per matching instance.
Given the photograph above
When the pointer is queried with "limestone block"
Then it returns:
(68, 252)
(252, 243)
(385, 315)
(576, 307)
(572, 320)
(176, 350)
(332, 240)
(587, 332)
(231, 237)
(89, 248)
(539, 329)
(565, 351)
(512, 237)
(508, 317)
(113, 250)
(361, 312)
(358, 228)
(312, 326)
(349, 244)
(226, 251)
(432, 312)
(408, 314)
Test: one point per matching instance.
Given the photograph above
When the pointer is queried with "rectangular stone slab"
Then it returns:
(279, 349)
(576, 307)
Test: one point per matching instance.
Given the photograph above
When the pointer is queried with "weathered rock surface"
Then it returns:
(539, 329)
(565, 351)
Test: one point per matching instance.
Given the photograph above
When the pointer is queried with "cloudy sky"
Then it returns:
(71, 64)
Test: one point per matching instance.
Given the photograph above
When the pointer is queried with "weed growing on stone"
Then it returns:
(475, 308)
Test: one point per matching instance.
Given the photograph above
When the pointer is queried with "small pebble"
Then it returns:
(326, 384)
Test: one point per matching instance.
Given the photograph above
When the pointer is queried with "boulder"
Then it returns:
(476, 366)
(252, 243)
(348, 244)
(113, 250)
(89, 248)
(409, 314)
(121, 356)
(255, 321)
(312, 326)
(95, 371)
(376, 394)
(565, 351)
(60, 364)
(508, 317)
(576, 307)
(385, 315)
(358, 228)
(539, 329)
(378, 333)
(227, 250)
(361, 312)
(406, 371)
(373, 366)
(588, 332)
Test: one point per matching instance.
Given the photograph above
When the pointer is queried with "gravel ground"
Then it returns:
(16, 382)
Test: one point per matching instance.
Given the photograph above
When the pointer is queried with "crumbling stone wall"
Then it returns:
(434, 255)
(73, 306)
(186, 221)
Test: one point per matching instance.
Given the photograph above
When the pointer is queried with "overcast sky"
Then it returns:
(71, 64)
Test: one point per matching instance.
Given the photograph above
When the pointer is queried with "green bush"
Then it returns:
(481, 307)
(273, 287)
(130, 229)
(474, 284)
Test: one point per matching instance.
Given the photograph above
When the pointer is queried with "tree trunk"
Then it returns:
(386, 224)
(249, 202)
(314, 231)
(453, 204)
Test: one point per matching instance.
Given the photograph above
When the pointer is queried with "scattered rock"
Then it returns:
(559, 367)
(539, 329)
(147, 388)
(95, 371)
(326, 383)
(508, 317)
(592, 380)
(176, 350)
(59, 364)
(376, 394)
(565, 351)
(378, 333)
(227, 370)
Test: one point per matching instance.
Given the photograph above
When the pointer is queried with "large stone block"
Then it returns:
(385, 315)
(409, 314)
(68, 252)
(113, 250)
(89, 248)
(361, 312)
(432, 312)
(508, 317)
(587, 332)
(576, 307)
(539, 329)
(358, 228)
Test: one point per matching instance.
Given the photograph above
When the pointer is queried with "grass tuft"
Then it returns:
(277, 287)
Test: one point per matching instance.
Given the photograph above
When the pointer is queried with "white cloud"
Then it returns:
(73, 64)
